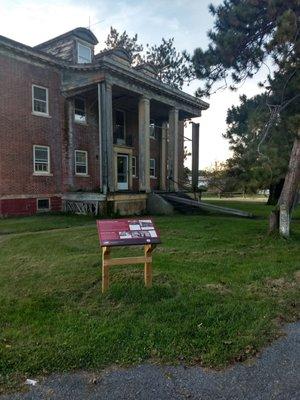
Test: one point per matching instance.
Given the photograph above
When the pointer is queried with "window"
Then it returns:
(81, 164)
(41, 159)
(40, 100)
(43, 204)
(84, 54)
(119, 127)
(152, 168)
(80, 115)
(133, 166)
(152, 129)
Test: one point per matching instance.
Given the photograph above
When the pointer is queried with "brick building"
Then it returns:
(80, 130)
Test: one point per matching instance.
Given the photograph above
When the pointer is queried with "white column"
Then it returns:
(106, 137)
(195, 155)
(110, 140)
(181, 151)
(70, 145)
(173, 149)
(163, 156)
(144, 144)
(100, 133)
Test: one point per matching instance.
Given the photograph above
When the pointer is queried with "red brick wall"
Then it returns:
(55, 203)
(86, 137)
(19, 207)
(20, 130)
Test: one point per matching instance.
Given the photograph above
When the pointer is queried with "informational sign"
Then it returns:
(124, 232)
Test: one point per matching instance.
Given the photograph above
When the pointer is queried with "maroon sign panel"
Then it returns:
(124, 232)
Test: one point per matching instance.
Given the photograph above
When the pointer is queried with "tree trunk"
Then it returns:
(274, 192)
(289, 191)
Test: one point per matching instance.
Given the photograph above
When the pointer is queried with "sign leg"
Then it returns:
(105, 268)
(148, 265)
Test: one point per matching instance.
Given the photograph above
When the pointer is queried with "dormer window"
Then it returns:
(84, 54)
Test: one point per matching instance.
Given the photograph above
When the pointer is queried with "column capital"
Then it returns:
(109, 85)
(144, 98)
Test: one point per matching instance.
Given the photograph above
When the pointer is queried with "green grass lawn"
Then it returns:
(221, 289)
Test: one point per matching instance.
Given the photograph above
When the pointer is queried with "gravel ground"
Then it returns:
(275, 374)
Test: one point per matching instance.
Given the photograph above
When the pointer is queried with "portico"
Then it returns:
(140, 125)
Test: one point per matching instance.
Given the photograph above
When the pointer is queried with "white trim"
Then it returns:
(83, 45)
(86, 163)
(43, 209)
(123, 185)
(152, 176)
(42, 114)
(42, 173)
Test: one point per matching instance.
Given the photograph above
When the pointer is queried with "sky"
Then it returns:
(188, 21)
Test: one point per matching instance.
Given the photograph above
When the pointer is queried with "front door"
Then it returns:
(122, 171)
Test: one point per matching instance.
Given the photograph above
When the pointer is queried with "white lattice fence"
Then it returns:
(81, 207)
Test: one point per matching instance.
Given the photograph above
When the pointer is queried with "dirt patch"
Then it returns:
(279, 284)
(276, 285)
(297, 277)
(168, 250)
(218, 287)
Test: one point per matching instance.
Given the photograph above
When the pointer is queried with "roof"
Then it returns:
(147, 68)
(82, 33)
(104, 61)
(117, 51)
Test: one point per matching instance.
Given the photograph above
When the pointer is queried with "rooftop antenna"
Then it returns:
(95, 23)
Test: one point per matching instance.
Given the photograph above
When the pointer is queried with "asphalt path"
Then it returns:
(274, 374)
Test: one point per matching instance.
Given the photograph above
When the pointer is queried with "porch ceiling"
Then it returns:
(127, 100)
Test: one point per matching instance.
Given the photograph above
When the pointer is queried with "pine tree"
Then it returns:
(259, 160)
(173, 67)
(246, 34)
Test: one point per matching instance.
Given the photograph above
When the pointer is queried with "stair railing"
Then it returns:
(186, 188)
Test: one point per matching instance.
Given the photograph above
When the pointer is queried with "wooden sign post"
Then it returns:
(121, 232)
